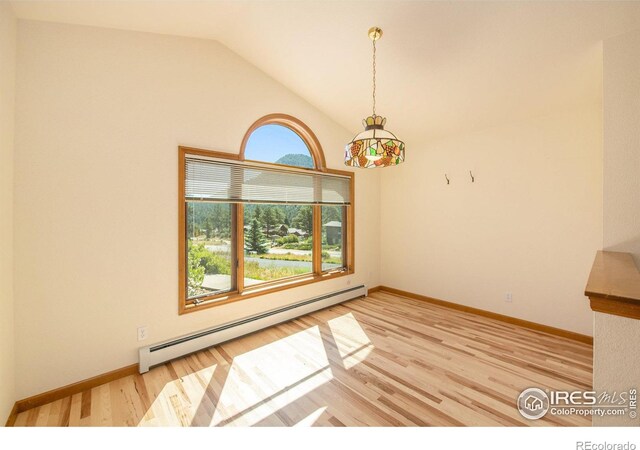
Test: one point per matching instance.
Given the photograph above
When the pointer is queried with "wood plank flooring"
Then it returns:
(383, 360)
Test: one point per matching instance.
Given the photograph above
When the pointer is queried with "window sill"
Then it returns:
(262, 289)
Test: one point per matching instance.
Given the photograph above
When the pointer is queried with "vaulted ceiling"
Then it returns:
(443, 67)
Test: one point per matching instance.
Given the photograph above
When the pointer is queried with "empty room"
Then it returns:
(325, 214)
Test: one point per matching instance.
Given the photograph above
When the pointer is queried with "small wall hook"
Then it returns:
(445, 175)
(473, 179)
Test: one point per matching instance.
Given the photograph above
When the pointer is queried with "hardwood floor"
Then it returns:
(383, 360)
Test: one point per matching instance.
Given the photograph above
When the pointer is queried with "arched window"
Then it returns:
(268, 218)
(282, 139)
(279, 145)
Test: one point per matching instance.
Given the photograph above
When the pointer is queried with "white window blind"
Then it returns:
(243, 182)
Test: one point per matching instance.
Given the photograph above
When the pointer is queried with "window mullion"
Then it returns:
(239, 231)
(345, 237)
(317, 239)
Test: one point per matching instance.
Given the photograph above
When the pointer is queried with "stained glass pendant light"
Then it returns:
(375, 146)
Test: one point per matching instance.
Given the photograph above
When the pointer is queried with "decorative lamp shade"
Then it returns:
(374, 147)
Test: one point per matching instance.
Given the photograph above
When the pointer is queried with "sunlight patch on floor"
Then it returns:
(353, 343)
(311, 418)
(179, 400)
(264, 380)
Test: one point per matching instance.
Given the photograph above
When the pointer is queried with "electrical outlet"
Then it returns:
(349, 282)
(508, 297)
(142, 333)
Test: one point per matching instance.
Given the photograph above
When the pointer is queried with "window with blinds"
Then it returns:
(249, 228)
(244, 182)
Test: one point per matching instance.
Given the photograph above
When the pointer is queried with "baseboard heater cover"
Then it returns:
(165, 351)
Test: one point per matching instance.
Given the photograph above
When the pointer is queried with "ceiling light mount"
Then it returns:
(375, 33)
(374, 147)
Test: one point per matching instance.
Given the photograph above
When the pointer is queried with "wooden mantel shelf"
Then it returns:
(614, 285)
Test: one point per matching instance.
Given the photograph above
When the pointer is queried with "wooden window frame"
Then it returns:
(239, 293)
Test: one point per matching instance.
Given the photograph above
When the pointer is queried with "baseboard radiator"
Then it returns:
(175, 348)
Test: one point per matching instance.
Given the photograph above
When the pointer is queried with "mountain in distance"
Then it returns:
(297, 160)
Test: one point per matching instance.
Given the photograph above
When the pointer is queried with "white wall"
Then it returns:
(529, 225)
(100, 115)
(621, 56)
(617, 339)
(7, 95)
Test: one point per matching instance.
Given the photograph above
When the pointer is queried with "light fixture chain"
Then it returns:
(374, 77)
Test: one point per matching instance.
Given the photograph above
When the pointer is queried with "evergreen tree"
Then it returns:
(279, 215)
(220, 217)
(290, 212)
(254, 240)
(304, 219)
(268, 220)
(213, 219)
(331, 213)
(257, 213)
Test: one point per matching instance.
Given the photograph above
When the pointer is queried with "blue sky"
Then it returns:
(270, 142)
